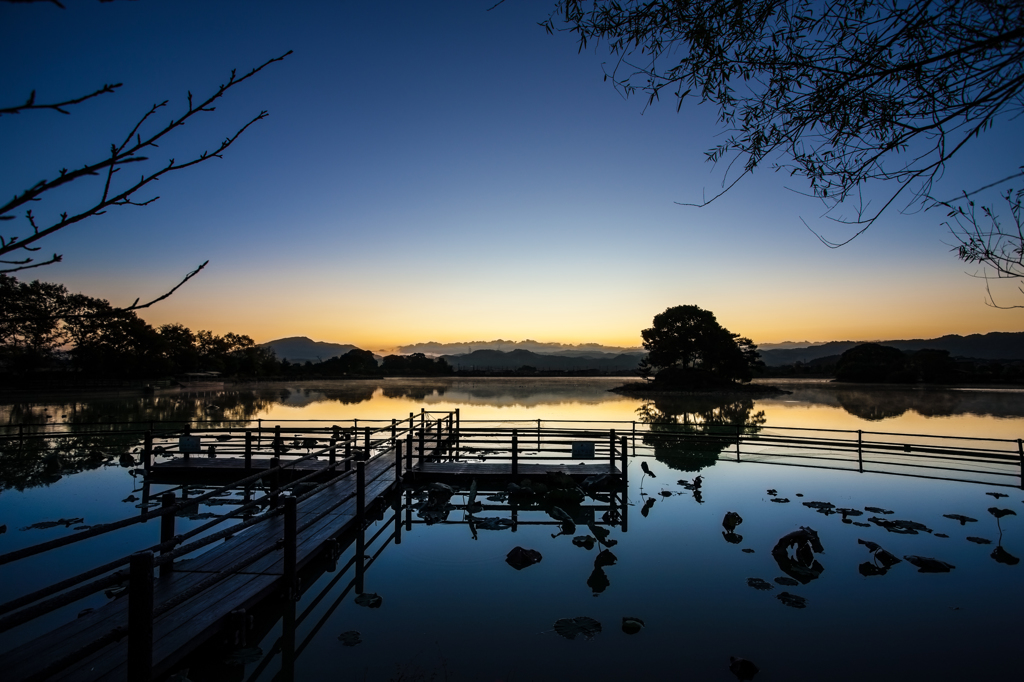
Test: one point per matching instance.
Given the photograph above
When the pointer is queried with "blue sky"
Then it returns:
(437, 171)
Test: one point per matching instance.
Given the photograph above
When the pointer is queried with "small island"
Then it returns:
(690, 352)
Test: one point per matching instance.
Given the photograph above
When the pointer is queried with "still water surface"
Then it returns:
(452, 609)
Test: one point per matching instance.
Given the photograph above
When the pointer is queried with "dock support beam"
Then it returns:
(140, 617)
(398, 461)
(291, 541)
(1020, 453)
(611, 449)
(366, 448)
(360, 489)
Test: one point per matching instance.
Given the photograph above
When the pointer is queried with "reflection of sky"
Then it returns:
(426, 158)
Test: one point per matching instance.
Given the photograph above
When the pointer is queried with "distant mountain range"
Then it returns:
(505, 355)
(464, 347)
(992, 346)
(491, 360)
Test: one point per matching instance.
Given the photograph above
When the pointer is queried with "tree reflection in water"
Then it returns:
(688, 433)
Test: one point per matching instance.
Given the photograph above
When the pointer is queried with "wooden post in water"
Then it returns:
(147, 450)
(515, 453)
(396, 506)
(291, 534)
(739, 435)
(398, 461)
(423, 418)
(408, 510)
(248, 451)
(186, 431)
(624, 454)
(166, 531)
(458, 434)
(360, 489)
(332, 454)
(422, 437)
(140, 617)
(1020, 453)
(611, 449)
(366, 447)
(860, 452)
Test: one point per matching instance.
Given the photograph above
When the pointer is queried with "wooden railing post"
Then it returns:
(739, 435)
(611, 448)
(440, 443)
(186, 431)
(408, 450)
(275, 462)
(147, 450)
(394, 430)
(140, 617)
(291, 540)
(360, 489)
(422, 438)
(332, 454)
(860, 452)
(366, 448)
(166, 531)
(248, 450)
(423, 418)
(348, 450)
(398, 461)
(515, 452)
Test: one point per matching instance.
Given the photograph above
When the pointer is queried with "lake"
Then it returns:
(703, 585)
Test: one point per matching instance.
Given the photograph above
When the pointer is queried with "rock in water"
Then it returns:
(742, 668)
(519, 558)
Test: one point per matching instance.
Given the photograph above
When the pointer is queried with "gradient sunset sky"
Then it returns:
(435, 171)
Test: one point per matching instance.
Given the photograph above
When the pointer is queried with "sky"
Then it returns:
(438, 171)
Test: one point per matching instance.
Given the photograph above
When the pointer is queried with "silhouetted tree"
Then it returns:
(17, 246)
(844, 93)
(688, 344)
(987, 240)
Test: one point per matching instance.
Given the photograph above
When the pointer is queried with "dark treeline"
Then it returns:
(47, 332)
(876, 363)
(362, 363)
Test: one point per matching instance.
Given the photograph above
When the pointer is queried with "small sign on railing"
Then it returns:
(188, 444)
(583, 450)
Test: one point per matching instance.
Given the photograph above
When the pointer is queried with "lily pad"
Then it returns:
(879, 510)
(964, 520)
(1000, 513)
(978, 541)
(773, 491)
(759, 584)
(581, 625)
(584, 541)
(747, 550)
(598, 581)
(1004, 557)
(997, 495)
(632, 625)
(781, 500)
(350, 638)
(787, 581)
(941, 535)
(794, 600)
(369, 600)
(605, 558)
(819, 505)
(493, 523)
(929, 565)
(849, 512)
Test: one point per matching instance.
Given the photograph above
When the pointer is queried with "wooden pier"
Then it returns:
(306, 488)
